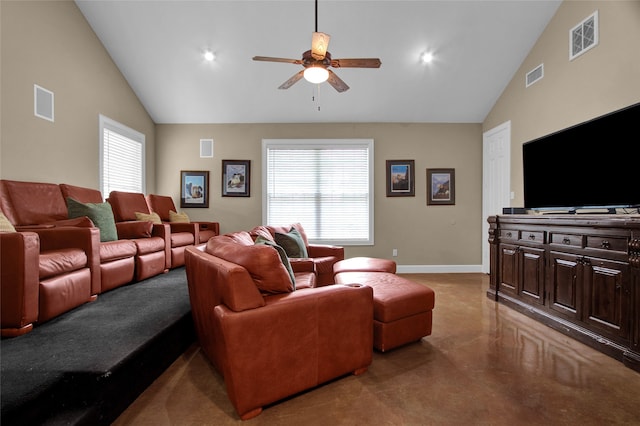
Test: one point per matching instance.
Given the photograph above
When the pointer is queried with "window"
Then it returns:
(326, 185)
(121, 158)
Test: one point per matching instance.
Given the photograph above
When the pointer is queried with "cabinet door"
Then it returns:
(565, 290)
(532, 275)
(508, 269)
(607, 297)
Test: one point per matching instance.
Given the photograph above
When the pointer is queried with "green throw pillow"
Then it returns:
(100, 214)
(292, 243)
(283, 256)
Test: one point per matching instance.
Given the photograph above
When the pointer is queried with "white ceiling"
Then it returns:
(158, 46)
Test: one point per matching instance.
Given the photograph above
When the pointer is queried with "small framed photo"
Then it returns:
(441, 186)
(194, 189)
(401, 178)
(236, 178)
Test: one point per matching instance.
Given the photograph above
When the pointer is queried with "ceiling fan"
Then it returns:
(316, 63)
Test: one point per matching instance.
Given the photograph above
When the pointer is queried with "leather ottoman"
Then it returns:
(402, 309)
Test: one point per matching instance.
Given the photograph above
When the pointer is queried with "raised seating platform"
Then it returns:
(88, 365)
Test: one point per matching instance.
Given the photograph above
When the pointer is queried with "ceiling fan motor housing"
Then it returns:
(309, 61)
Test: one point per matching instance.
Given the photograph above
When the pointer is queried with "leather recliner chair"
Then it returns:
(117, 258)
(154, 245)
(271, 345)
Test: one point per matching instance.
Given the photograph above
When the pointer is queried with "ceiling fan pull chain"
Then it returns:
(318, 96)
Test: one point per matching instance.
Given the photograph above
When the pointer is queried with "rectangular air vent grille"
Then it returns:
(534, 75)
(583, 36)
(206, 148)
(43, 103)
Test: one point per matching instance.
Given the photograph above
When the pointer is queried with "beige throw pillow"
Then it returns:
(178, 217)
(153, 217)
(5, 225)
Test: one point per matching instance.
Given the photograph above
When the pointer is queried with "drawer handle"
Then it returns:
(605, 245)
(532, 236)
(566, 241)
(509, 234)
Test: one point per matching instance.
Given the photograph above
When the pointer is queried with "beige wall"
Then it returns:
(423, 235)
(49, 43)
(602, 80)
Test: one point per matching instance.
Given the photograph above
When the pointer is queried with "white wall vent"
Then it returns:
(42, 102)
(534, 75)
(206, 148)
(583, 36)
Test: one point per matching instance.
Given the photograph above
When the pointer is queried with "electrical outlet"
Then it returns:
(395, 252)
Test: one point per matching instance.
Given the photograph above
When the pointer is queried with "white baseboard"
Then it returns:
(437, 269)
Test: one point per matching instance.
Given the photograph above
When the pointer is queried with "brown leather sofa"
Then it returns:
(266, 339)
(323, 256)
(48, 267)
(163, 205)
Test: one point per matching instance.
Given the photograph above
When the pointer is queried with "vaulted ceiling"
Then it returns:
(477, 45)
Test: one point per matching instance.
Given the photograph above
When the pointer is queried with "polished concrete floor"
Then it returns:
(484, 364)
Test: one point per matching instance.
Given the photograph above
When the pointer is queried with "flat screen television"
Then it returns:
(593, 165)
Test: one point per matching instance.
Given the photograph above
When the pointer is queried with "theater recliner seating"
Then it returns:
(266, 340)
(36, 206)
(153, 241)
(163, 204)
(51, 264)
(117, 258)
(44, 274)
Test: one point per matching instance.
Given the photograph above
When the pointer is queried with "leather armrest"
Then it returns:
(163, 230)
(192, 228)
(87, 239)
(211, 226)
(19, 283)
(302, 264)
(321, 250)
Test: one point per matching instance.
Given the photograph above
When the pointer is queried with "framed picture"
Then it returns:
(441, 186)
(236, 178)
(401, 178)
(194, 189)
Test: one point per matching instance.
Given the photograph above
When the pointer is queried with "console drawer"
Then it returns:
(509, 234)
(567, 239)
(606, 243)
(532, 236)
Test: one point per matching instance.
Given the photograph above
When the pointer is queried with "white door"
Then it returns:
(496, 179)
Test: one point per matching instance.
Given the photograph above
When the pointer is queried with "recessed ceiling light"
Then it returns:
(209, 56)
(426, 57)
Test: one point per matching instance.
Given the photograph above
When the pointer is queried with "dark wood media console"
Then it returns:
(579, 274)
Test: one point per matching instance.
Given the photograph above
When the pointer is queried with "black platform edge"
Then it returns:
(98, 399)
(81, 399)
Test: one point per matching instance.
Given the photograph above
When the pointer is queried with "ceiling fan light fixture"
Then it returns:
(316, 75)
(426, 57)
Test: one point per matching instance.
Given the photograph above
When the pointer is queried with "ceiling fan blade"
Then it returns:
(293, 80)
(356, 63)
(319, 45)
(336, 82)
(270, 59)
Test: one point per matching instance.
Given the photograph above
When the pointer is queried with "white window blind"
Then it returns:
(122, 158)
(326, 185)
